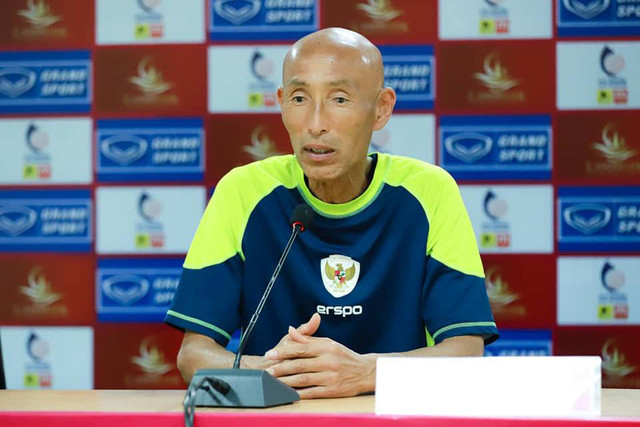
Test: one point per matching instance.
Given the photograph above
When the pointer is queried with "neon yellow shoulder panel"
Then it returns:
(451, 238)
(219, 234)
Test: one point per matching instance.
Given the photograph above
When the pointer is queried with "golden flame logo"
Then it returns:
(498, 289)
(151, 359)
(613, 146)
(496, 76)
(39, 289)
(38, 14)
(149, 79)
(262, 146)
(614, 363)
(380, 10)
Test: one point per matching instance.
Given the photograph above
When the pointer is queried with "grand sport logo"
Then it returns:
(16, 220)
(125, 289)
(15, 81)
(587, 218)
(124, 149)
(236, 11)
(586, 9)
(468, 146)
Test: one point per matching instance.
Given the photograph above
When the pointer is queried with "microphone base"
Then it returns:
(248, 388)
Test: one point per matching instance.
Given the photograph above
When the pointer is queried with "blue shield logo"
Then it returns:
(468, 146)
(17, 220)
(586, 9)
(237, 11)
(125, 289)
(587, 218)
(124, 149)
(14, 81)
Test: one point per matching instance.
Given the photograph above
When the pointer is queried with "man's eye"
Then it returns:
(341, 100)
(298, 99)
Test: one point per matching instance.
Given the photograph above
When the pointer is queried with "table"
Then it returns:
(163, 408)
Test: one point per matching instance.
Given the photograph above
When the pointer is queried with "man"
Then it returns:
(389, 263)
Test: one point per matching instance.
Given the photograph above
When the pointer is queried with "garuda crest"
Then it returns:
(339, 274)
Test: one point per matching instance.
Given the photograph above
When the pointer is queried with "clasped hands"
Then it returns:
(318, 367)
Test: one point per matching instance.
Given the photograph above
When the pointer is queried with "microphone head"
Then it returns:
(302, 217)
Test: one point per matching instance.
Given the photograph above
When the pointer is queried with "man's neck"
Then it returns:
(345, 188)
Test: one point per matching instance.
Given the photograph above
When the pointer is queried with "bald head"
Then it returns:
(338, 44)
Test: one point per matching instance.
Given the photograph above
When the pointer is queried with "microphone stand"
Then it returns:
(245, 388)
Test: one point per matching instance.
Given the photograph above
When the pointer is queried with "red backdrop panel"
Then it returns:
(598, 147)
(618, 348)
(151, 79)
(400, 21)
(237, 139)
(521, 289)
(64, 24)
(137, 356)
(496, 76)
(42, 290)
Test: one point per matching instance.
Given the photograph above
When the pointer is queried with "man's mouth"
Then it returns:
(318, 150)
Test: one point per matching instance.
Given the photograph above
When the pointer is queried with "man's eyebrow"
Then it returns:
(301, 83)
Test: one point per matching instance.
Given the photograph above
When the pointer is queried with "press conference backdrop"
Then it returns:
(118, 118)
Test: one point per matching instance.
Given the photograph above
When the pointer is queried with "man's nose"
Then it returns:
(318, 122)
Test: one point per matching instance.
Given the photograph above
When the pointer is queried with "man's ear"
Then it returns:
(384, 107)
(280, 95)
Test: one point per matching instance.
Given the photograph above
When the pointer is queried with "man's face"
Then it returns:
(329, 109)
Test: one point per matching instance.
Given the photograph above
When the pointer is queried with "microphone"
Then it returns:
(247, 388)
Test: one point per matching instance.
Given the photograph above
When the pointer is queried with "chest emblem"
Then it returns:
(339, 274)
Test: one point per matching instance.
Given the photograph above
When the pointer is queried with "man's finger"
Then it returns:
(309, 379)
(311, 327)
(294, 350)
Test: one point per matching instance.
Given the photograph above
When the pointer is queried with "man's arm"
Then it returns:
(321, 367)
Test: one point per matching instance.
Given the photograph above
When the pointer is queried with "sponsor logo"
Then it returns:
(379, 10)
(342, 311)
(124, 149)
(15, 81)
(38, 14)
(149, 232)
(494, 19)
(613, 304)
(468, 146)
(151, 360)
(151, 86)
(37, 163)
(262, 146)
(43, 300)
(37, 374)
(262, 91)
(39, 290)
(587, 218)
(150, 368)
(496, 82)
(236, 12)
(125, 289)
(613, 146)
(339, 274)
(149, 23)
(382, 17)
(409, 71)
(586, 9)
(614, 361)
(612, 89)
(16, 220)
(495, 233)
(498, 289)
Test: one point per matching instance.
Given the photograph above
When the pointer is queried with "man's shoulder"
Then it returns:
(268, 173)
(409, 172)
